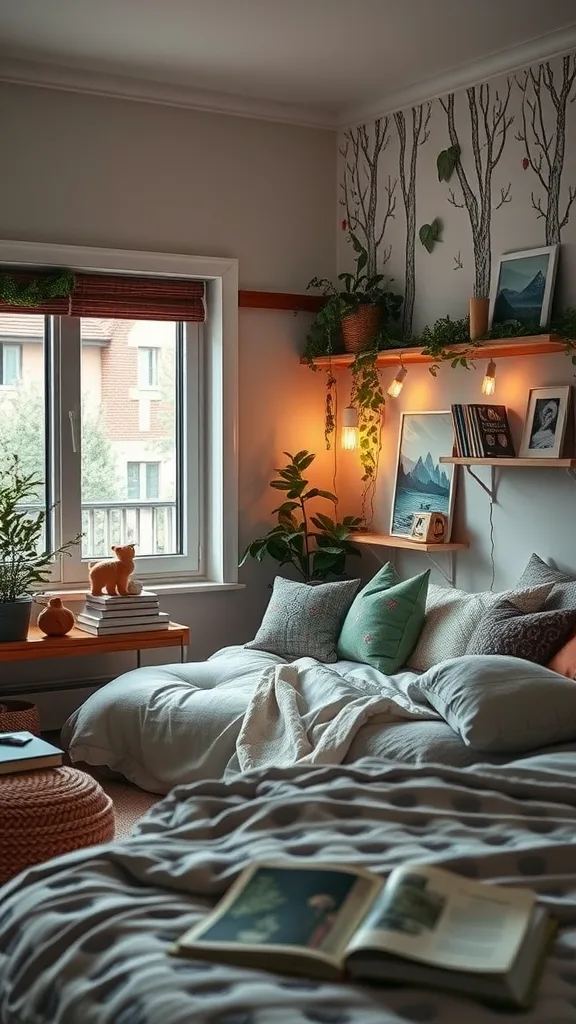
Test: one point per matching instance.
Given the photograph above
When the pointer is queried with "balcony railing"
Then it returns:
(150, 524)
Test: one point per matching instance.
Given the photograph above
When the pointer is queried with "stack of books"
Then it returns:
(23, 752)
(482, 432)
(105, 616)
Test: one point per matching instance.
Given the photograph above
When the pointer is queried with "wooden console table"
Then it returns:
(77, 643)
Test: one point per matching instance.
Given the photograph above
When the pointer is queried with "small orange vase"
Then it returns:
(479, 311)
(55, 620)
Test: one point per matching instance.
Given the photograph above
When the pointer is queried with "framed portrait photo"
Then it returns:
(523, 286)
(546, 422)
(422, 483)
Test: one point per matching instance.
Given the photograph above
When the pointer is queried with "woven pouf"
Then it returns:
(19, 716)
(48, 812)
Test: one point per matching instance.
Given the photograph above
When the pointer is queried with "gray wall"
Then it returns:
(535, 509)
(92, 171)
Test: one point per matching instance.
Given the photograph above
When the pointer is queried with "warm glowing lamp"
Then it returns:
(489, 382)
(397, 384)
(349, 434)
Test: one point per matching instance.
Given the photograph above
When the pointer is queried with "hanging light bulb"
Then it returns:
(489, 382)
(349, 433)
(397, 384)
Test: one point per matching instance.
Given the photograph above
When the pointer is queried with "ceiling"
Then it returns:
(316, 61)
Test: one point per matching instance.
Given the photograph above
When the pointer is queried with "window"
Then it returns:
(130, 423)
(143, 480)
(10, 364)
(148, 367)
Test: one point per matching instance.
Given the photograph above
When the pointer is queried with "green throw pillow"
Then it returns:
(384, 622)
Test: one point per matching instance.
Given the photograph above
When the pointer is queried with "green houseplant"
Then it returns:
(23, 563)
(317, 554)
(360, 312)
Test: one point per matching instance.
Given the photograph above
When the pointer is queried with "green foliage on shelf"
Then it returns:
(35, 292)
(317, 554)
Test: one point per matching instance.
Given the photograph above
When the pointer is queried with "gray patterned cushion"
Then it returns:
(452, 617)
(303, 621)
(533, 636)
(564, 593)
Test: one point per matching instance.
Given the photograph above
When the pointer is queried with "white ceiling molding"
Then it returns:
(98, 83)
(500, 63)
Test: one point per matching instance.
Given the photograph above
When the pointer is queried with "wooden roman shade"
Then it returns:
(114, 296)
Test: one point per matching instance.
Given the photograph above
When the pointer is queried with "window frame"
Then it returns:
(152, 368)
(3, 346)
(217, 508)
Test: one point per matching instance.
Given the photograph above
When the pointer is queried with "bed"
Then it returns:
(85, 938)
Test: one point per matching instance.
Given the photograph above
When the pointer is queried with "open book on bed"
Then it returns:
(422, 925)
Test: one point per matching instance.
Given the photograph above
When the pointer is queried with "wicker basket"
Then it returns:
(360, 328)
(19, 716)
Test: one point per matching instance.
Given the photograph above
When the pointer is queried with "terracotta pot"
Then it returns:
(359, 329)
(479, 310)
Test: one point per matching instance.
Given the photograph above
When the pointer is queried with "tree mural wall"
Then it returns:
(545, 144)
(419, 135)
(360, 188)
(489, 124)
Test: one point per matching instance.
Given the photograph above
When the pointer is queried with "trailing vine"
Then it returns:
(330, 408)
(368, 398)
(38, 290)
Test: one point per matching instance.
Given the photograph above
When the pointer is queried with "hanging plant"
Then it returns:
(330, 408)
(368, 399)
(36, 291)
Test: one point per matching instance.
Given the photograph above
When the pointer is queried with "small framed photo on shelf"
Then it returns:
(523, 286)
(546, 423)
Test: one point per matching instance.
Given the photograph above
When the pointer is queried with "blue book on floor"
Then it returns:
(36, 753)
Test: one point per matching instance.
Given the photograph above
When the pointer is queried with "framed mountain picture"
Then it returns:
(422, 484)
(523, 287)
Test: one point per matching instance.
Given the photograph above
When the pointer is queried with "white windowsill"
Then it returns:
(203, 587)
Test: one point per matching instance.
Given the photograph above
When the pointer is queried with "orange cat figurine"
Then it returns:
(112, 575)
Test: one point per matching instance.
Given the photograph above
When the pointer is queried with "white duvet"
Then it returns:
(240, 710)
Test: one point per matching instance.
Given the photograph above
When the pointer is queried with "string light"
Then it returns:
(489, 382)
(349, 433)
(397, 384)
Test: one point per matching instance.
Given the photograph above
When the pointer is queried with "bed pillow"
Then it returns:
(537, 572)
(534, 636)
(500, 704)
(452, 617)
(383, 625)
(564, 662)
(303, 620)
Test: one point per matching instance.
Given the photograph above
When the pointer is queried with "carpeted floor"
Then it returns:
(130, 803)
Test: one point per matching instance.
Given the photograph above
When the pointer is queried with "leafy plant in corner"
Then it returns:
(317, 554)
(23, 562)
(355, 290)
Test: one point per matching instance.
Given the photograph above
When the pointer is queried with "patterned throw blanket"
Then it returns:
(83, 939)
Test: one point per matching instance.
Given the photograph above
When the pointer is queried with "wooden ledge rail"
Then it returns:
(280, 300)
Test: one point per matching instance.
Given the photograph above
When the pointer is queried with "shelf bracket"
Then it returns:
(571, 473)
(491, 490)
(448, 576)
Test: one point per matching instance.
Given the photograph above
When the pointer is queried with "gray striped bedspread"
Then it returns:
(84, 939)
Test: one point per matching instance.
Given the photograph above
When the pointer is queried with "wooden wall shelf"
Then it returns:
(386, 540)
(280, 300)
(454, 460)
(537, 345)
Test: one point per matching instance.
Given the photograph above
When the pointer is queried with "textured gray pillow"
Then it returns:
(502, 704)
(563, 594)
(534, 636)
(303, 621)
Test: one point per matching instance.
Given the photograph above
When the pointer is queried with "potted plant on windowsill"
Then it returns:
(317, 554)
(23, 563)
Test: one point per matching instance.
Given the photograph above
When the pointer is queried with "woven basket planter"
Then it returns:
(359, 329)
(49, 812)
(19, 716)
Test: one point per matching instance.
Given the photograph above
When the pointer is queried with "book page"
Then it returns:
(278, 907)
(445, 920)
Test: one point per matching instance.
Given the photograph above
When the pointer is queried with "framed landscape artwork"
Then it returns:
(422, 484)
(523, 286)
(545, 423)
